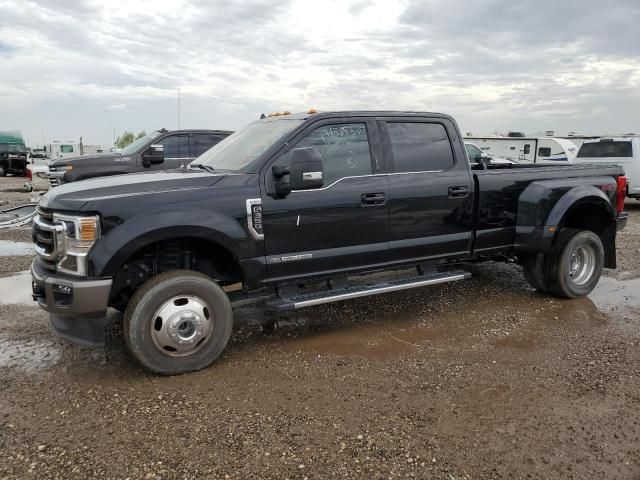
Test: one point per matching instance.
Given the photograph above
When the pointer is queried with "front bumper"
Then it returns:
(77, 307)
(622, 220)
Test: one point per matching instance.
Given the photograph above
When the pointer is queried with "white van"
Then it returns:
(623, 151)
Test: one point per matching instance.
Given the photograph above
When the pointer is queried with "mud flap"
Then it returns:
(87, 331)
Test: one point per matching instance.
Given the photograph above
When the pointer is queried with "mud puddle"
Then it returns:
(29, 356)
(513, 321)
(16, 289)
(10, 248)
(612, 295)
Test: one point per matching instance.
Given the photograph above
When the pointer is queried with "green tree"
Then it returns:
(128, 137)
(125, 139)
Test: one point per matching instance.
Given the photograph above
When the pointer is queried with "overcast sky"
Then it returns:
(85, 68)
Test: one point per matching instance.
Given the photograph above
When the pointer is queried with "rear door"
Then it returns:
(339, 227)
(430, 189)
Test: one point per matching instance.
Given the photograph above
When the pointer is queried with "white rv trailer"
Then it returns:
(528, 149)
(58, 149)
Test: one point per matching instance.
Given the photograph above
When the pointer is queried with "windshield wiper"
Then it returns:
(203, 167)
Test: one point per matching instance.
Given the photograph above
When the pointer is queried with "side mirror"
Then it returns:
(153, 155)
(306, 171)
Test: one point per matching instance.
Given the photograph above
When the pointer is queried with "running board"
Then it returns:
(318, 298)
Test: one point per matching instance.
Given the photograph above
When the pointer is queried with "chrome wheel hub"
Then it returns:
(582, 264)
(182, 326)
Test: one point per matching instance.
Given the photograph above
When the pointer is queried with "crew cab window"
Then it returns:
(473, 152)
(604, 149)
(544, 152)
(203, 142)
(419, 147)
(175, 146)
(344, 149)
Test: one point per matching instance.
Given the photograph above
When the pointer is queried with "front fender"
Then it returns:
(543, 205)
(124, 239)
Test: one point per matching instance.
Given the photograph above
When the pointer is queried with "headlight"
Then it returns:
(79, 236)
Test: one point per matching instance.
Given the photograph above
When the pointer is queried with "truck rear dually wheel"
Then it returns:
(178, 322)
(574, 268)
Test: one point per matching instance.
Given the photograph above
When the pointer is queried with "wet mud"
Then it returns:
(481, 379)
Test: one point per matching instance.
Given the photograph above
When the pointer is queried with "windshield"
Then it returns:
(244, 146)
(135, 146)
(13, 147)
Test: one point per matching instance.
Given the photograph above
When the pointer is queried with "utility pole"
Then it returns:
(178, 109)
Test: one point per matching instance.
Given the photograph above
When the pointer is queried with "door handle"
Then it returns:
(460, 191)
(372, 199)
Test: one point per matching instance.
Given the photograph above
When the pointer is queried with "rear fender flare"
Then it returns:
(537, 230)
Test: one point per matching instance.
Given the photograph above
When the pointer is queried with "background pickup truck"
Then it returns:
(158, 150)
(298, 206)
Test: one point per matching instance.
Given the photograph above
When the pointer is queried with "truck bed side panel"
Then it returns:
(504, 209)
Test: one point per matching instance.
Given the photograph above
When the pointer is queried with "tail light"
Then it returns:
(621, 192)
(29, 174)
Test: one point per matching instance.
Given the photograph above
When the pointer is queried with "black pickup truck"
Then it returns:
(158, 150)
(298, 206)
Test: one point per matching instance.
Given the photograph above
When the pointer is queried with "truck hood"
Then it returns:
(73, 196)
(84, 158)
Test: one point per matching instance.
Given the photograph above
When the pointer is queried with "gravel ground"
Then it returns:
(479, 379)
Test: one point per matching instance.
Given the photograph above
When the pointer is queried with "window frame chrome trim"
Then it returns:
(366, 176)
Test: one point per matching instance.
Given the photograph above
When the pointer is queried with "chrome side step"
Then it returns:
(318, 298)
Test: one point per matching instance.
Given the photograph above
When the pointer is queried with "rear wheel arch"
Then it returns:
(597, 215)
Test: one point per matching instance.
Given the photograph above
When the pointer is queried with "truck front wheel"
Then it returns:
(574, 268)
(178, 322)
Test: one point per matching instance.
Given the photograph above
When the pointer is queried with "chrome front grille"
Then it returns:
(55, 177)
(49, 238)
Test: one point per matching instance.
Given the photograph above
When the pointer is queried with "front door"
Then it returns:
(176, 152)
(339, 227)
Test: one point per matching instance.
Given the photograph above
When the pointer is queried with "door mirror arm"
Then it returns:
(282, 180)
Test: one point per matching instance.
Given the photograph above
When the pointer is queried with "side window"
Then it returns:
(419, 147)
(473, 152)
(203, 142)
(344, 149)
(175, 146)
(66, 148)
(527, 148)
(544, 151)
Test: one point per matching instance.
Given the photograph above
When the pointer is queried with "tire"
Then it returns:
(3, 171)
(574, 268)
(533, 266)
(196, 312)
